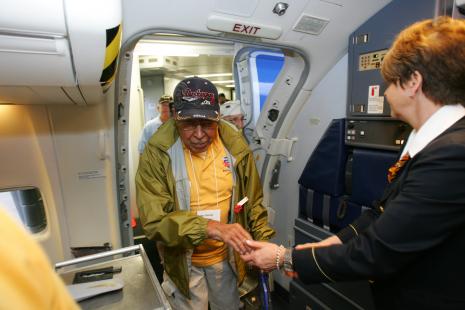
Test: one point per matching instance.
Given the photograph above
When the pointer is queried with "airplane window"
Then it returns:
(265, 67)
(268, 68)
(25, 205)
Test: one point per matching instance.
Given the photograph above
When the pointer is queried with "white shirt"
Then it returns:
(149, 129)
(439, 122)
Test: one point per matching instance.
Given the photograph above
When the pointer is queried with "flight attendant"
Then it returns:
(412, 245)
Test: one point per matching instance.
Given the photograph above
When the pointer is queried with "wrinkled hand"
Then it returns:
(232, 234)
(323, 243)
(263, 255)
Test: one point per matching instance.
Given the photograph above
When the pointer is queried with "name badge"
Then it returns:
(210, 214)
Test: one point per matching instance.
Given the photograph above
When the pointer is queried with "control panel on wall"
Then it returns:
(388, 134)
(367, 47)
(369, 122)
(373, 103)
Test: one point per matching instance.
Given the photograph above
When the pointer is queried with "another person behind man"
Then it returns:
(27, 280)
(171, 105)
(412, 244)
(163, 108)
(231, 111)
(191, 175)
(222, 98)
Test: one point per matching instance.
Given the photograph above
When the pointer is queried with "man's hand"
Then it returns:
(326, 242)
(264, 255)
(232, 234)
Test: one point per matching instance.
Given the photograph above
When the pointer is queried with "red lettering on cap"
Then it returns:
(199, 94)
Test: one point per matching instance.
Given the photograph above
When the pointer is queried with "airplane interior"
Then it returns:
(79, 80)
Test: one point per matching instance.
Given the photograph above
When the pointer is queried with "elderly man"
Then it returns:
(192, 174)
(231, 111)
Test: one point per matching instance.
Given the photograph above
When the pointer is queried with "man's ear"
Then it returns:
(414, 85)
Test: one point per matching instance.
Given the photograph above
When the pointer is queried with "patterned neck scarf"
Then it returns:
(394, 169)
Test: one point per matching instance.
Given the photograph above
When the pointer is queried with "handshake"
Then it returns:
(266, 256)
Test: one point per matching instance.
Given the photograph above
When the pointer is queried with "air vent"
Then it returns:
(152, 60)
(311, 24)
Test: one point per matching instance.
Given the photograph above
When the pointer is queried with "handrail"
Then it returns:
(97, 256)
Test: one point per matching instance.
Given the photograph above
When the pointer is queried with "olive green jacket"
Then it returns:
(163, 199)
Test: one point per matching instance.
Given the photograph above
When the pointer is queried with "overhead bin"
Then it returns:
(58, 51)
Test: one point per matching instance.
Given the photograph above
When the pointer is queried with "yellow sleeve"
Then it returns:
(27, 280)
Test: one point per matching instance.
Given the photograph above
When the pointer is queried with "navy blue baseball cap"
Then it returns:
(196, 98)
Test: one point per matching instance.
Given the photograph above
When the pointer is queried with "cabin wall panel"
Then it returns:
(86, 174)
(28, 159)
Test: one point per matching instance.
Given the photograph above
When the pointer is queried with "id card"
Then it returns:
(210, 214)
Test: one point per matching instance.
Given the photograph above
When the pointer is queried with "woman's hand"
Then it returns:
(264, 255)
(323, 243)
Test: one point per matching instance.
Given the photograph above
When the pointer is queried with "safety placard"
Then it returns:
(91, 174)
(375, 101)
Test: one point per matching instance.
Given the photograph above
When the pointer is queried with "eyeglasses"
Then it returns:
(191, 126)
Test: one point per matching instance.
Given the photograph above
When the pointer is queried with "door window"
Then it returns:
(26, 206)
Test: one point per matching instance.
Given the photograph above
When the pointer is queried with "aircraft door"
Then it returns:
(255, 73)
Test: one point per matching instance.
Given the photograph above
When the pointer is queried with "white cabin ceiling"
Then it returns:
(179, 59)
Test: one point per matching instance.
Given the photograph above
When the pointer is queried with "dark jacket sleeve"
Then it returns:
(428, 209)
(358, 226)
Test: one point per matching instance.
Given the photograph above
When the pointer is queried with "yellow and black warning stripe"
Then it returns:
(111, 56)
